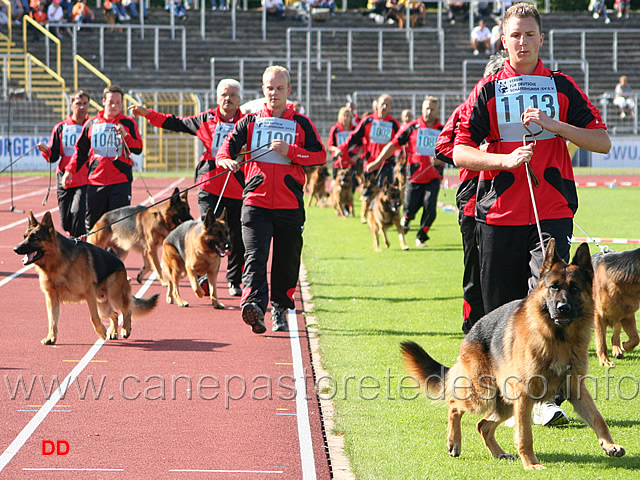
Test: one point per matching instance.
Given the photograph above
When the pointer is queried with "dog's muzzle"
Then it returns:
(30, 254)
(562, 314)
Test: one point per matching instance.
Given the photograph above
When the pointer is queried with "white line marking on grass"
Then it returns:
(304, 426)
(39, 417)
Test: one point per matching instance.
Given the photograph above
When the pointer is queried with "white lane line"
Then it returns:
(39, 417)
(16, 275)
(19, 182)
(225, 471)
(20, 197)
(304, 425)
(73, 469)
(25, 219)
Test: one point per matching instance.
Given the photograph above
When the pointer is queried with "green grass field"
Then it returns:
(366, 303)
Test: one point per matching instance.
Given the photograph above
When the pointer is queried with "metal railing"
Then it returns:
(606, 104)
(129, 44)
(380, 31)
(271, 61)
(49, 37)
(584, 64)
(615, 32)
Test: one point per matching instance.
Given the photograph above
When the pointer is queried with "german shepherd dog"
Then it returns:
(384, 212)
(195, 249)
(518, 354)
(75, 271)
(368, 192)
(142, 229)
(616, 293)
(341, 195)
(318, 184)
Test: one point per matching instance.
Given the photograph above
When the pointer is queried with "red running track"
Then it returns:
(191, 394)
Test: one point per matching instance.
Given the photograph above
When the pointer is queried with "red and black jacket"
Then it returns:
(503, 195)
(335, 133)
(108, 162)
(62, 146)
(205, 126)
(275, 185)
(466, 195)
(361, 136)
(420, 168)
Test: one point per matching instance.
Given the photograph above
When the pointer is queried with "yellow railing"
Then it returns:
(54, 76)
(27, 19)
(79, 59)
(7, 4)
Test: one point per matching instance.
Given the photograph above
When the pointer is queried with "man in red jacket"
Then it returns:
(211, 127)
(106, 142)
(282, 141)
(72, 198)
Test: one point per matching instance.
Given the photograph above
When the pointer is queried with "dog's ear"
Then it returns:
(209, 217)
(550, 257)
(183, 195)
(223, 217)
(582, 259)
(47, 221)
(32, 220)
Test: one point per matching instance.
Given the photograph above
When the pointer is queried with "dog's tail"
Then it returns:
(144, 305)
(429, 372)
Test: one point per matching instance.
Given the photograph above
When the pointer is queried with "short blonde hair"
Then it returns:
(275, 69)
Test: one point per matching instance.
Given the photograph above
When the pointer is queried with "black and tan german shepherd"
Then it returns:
(195, 249)
(521, 353)
(341, 195)
(616, 293)
(383, 213)
(368, 190)
(74, 271)
(140, 228)
(318, 185)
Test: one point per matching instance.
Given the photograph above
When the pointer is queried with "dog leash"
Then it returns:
(84, 237)
(46, 197)
(533, 180)
(127, 152)
(20, 158)
(603, 248)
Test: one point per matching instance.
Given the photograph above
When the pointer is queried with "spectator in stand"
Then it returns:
(423, 179)
(106, 142)
(4, 18)
(622, 8)
(377, 10)
(275, 9)
(406, 116)
(481, 38)
(133, 8)
(372, 133)
(82, 14)
(454, 7)
(218, 5)
(599, 8)
(118, 10)
(17, 11)
(72, 197)
(40, 16)
(496, 37)
(483, 10)
(273, 204)
(67, 8)
(211, 127)
(624, 98)
(55, 14)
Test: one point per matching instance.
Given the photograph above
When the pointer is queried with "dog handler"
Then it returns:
(273, 206)
(556, 110)
(110, 167)
(211, 127)
(423, 179)
(72, 198)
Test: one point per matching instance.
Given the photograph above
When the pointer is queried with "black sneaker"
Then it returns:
(279, 320)
(234, 290)
(203, 281)
(253, 316)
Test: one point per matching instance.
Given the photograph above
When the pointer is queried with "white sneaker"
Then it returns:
(549, 414)
(420, 244)
(596, 15)
(607, 21)
(476, 52)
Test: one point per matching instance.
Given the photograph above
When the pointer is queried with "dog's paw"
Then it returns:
(183, 304)
(605, 362)
(454, 450)
(140, 278)
(169, 299)
(535, 466)
(507, 456)
(112, 335)
(613, 450)
(217, 305)
(125, 333)
(48, 341)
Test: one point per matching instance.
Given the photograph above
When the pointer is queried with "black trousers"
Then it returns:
(473, 308)
(425, 196)
(72, 203)
(235, 260)
(511, 257)
(104, 198)
(259, 227)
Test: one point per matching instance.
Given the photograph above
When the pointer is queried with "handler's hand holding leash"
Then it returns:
(531, 178)
(122, 132)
